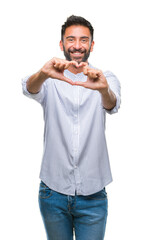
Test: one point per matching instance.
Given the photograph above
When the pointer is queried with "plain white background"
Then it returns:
(30, 35)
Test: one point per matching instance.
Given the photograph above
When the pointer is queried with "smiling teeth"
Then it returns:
(77, 53)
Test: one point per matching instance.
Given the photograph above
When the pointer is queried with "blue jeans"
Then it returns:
(62, 214)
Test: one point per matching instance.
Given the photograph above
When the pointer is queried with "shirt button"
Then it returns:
(75, 167)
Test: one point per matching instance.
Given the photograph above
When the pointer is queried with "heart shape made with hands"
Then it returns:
(55, 69)
(93, 75)
(60, 67)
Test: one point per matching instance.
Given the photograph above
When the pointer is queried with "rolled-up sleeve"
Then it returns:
(39, 97)
(114, 85)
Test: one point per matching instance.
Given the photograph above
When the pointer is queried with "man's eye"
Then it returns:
(70, 39)
(84, 40)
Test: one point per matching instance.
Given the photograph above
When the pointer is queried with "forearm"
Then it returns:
(35, 82)
(108, 99)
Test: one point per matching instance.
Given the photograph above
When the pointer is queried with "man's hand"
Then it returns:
(52, 69)
(55, 69)
(95, 80)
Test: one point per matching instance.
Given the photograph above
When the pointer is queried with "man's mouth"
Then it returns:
(79, 51)
(76, 53)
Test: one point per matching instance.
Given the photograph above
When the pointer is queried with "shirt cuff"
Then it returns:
(36, 96)
(117, 106)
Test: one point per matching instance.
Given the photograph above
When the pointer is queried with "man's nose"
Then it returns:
(77, 44)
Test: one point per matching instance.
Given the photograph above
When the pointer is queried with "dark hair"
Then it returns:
(76, 20)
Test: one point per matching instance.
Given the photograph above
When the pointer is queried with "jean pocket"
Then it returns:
(101, 195)
(44, 191)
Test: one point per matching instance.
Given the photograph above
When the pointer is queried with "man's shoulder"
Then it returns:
(91, 66)
(106, 72)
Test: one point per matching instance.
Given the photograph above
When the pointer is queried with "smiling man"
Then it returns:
(77, 43)
(75, 169)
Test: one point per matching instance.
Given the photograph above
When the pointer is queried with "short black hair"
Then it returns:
(76, 20)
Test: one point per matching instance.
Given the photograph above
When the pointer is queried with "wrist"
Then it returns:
(105, 91)
(42, 75)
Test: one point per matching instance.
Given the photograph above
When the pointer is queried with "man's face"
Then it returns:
(77, 43)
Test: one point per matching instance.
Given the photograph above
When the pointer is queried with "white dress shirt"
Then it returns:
(75, 157)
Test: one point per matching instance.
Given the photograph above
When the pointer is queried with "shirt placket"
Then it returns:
(76, 132)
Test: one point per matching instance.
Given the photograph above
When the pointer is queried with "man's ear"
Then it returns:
(61, 45)
(92, 45)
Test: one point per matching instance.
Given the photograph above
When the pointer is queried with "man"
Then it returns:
(75, 168)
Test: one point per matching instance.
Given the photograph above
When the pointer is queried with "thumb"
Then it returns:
(65, 79)
(85, 70)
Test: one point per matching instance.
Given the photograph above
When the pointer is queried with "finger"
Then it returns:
(83, 64)
(69, 63)
(85, 70)
(56, 65)
(63, 78)
(91, 73)
(55, 62)
(79, 83)
(68, 81)
(74, 63)
(59, 65)
(66, 64)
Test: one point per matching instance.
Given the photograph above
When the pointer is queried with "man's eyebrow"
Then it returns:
(70, 37)
(74, 37)
(85, 37)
